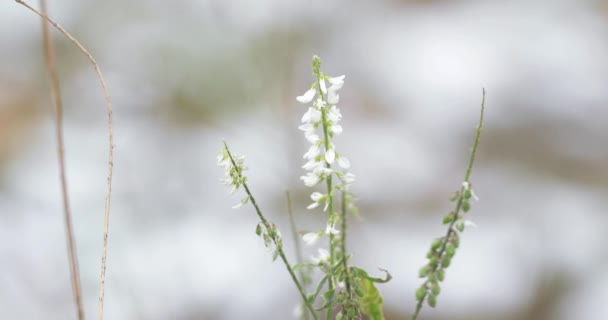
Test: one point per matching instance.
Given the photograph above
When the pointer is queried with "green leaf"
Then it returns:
(466, 206)
(362, 273)
(371, 302)
(328, 299)
(258, 229)
(339, 316)
(319, 287)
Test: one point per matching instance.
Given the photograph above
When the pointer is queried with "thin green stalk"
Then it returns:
(278, 245)
(330, 195)
(296, 241)
(343, 244)
(459, 202)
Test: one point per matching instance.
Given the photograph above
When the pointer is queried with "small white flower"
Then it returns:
(343, 162)
(474, 196)
(330, 229)
(312, 164)
(312, 152)
(323, 256)
(337, 80)
(310, 179)
(330, 156)
(334, 114)
(320, 103)
(307, 128)
(311, 116)
(310, 238)
(242, 203)
(322, 170)
(312, 205)
(316, 196)
(469, 223)
(333, 97)
(336, 83)
(466, 185)
(311, 137)
(298, 311)
(322, 85)
(348, 178)
(336, 129)
(307, 96)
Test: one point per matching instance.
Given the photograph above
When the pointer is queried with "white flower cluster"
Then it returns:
(320, 123)
(233, 175)
(324, 115)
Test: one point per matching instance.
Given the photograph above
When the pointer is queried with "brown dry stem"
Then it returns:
(110, 155)
(49, 58)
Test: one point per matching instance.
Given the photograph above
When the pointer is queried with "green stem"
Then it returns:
(477, 134)
(467, 176)
(343, 244)
(278, 245)
(330, 200)
(296, 241)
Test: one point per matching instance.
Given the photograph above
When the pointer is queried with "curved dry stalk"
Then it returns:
(49, 58)
(110, 155)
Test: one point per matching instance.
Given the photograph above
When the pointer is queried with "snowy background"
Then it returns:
(185, 75)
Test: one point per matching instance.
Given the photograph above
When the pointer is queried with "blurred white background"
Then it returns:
(185, 75)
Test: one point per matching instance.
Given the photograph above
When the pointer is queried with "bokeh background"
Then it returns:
(186, 74)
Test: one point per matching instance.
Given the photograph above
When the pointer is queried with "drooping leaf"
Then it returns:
(371, 302)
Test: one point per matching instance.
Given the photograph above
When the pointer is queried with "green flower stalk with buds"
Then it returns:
(347, 292)
(234, 167)
(443, 249)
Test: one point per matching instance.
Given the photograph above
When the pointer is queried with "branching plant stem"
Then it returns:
(467, 176)
(279, 247)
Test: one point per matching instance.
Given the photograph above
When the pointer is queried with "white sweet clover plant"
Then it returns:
(346, 291)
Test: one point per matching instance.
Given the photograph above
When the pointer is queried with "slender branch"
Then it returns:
(343, 244)
(467, 176)
(477, 134)
(106, 223)
(278, 245)
(296, 241)
(49, 55)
